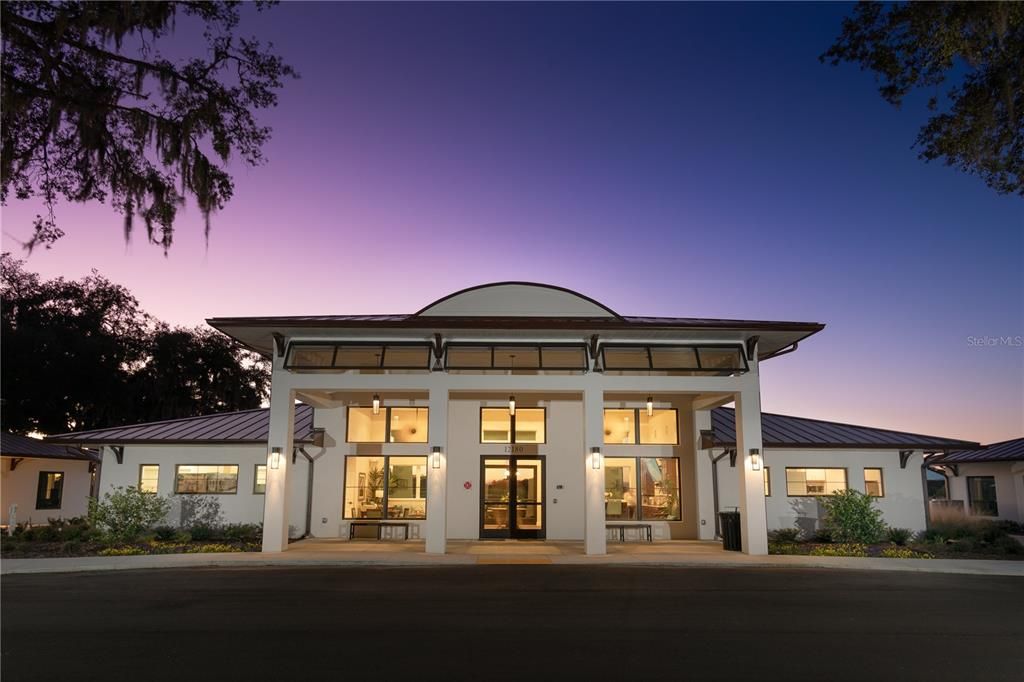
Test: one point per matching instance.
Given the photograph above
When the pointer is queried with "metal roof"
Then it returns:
(784, 431)
(1004, 451)
(247, 426)
(13, 445)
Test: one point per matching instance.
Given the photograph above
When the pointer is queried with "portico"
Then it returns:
(512, 408)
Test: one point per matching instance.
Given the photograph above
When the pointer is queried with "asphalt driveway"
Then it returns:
(511, 623)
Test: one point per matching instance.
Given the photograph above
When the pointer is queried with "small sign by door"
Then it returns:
(467, 485)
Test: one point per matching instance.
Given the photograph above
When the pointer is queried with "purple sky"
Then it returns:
(688, 160)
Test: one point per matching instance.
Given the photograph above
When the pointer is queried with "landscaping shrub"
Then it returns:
(214, 547)
(784, 535)
(28, 534)
(46, 533)
(822, 535)
(121, 551)
(71, 547)
(905, 553)
(784, 548)
(165, 533)
(852, 516)
(126, 512)
(182, 536)
(241, 531)
(898, 536)
(201, 533)
(842, 549)
(200, 510)
(1007, 545)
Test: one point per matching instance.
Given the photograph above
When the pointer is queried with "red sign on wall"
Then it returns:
(467, 485)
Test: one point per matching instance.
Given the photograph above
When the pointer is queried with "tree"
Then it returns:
(91, 109)
(84, 355)
(978, 47)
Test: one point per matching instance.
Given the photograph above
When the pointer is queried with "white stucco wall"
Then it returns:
(902, 505)
(1009, 478)
(19, 487)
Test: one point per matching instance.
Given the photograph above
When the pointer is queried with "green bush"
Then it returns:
(898, 536)
(905, 553)
(784, 535)
(164, 533)
(822, 535)
(851, 516)
(28, 534)
(46, 534)
(121, 551)
(1007, 545)
(202, 533)
(241, 531)
(126, 513)
(213, 547)
(182, 536)
(71, 547)
(842, 549)
(784, 548)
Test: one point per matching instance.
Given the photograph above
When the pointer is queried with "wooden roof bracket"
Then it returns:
(905, 457)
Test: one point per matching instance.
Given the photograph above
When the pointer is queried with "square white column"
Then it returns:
(282, 435)
(753, 519)
(437, 487)
(594, 539)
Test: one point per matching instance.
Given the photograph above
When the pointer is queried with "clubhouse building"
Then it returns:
(522, 411)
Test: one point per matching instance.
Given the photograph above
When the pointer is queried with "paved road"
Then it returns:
(511, 623)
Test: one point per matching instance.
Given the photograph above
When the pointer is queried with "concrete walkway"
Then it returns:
(321, 552)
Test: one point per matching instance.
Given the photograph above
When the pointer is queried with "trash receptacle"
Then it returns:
(731, 531)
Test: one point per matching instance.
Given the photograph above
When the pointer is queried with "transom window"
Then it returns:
(632, 426)
(259, 480)
(527, 425)
(389, 425)
(206, 479)
(655, 498)
(814, 482)
(149, 478)
(50, 489)
(873, 484)
(385, 487)
(704, 359)
(308, 356)
(565, 357)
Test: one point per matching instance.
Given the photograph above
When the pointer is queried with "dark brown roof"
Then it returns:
(247, 426)
(13, 445)
(784, 431)
(1005, 451)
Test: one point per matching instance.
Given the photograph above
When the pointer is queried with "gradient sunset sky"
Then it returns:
(687, 160)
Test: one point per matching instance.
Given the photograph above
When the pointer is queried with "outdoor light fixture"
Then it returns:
(650, 406)
(435, 459)
(376, 404)
(595, 457)
(755, 459)
(512, 406)
(275, 458)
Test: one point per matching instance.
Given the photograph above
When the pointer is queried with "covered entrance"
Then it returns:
(512, 496)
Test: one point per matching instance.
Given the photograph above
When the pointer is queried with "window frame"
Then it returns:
(846, 479)
(387, 425)
(639, 489)
(881, 482)
(41, 486)
(255, 478)
(381, 364)
(696, 348)
(143, 466)
(384, 500)
(995, 500)
(538, 347)
(512, 425)
(636, 425)
(767, 482)
(178, 466)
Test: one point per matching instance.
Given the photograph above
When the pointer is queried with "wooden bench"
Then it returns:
(379, 525)
(631, 526)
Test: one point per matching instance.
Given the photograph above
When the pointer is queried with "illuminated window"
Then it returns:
(259, 480)
(767, 482)
(814, 482)
(50, 489)
(398, 424)
(527, 425)
(656, 497)
(206, 479)
(873, 485)
(149, 478)
(385, 487)
(633, 426)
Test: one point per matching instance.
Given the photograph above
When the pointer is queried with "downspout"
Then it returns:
(714, 488)
(309, 488)
(782, 351)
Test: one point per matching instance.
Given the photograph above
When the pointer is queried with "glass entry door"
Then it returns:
(512, 497)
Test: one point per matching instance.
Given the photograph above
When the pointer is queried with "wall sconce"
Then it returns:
(435, 458)
(512, 406)
(650, 406)
(275, 458)
(755, 459)
(376, 404)
(595, 457)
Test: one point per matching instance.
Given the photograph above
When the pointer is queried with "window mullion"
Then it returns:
(636, 427)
